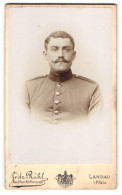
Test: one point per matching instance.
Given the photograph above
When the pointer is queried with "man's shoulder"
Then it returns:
(37, 78)
(34, 82)
(85, 79)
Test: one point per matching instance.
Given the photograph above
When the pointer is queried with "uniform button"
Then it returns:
(57, 93)
(58, 84)
(57, 102)
(56, 112)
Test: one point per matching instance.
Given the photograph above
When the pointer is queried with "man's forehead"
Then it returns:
(60, 42)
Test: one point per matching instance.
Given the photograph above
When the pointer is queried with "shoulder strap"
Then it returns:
(84, 78)
(39, 77)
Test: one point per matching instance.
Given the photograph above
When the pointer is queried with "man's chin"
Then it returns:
(60, 68)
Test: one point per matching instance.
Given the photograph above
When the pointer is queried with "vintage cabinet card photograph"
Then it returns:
(60, 96)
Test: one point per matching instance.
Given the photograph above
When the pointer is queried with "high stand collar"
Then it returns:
(60, 77)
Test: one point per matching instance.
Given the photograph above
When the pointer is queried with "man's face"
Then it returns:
(60, 54)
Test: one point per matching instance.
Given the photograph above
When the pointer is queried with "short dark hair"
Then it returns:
(59, 34)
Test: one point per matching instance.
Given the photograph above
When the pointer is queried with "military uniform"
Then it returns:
(61, 98)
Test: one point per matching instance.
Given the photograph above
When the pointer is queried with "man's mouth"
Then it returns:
(56, 61)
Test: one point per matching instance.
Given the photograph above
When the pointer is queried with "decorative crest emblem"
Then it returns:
(65, 180)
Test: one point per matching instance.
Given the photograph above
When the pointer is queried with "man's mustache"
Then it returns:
(60, 60)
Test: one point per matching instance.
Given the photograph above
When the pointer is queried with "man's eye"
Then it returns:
(67, 49)
(54, 49)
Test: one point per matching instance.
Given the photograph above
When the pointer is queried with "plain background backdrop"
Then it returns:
(2, 98)
(91, 29)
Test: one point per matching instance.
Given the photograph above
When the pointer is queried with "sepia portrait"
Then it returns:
(61, 95)
(57, 97)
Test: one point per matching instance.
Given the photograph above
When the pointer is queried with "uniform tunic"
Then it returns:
(57, 98)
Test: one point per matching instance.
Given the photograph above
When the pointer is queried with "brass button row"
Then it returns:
(57, 101)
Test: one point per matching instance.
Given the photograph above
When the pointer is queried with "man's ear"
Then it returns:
(74, 55)
(45, 54)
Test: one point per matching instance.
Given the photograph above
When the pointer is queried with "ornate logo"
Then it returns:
(65, 180)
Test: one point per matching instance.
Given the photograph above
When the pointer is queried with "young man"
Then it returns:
(62, 96)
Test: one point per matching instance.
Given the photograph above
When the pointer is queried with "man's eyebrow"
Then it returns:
(66, 47)
(54, 46)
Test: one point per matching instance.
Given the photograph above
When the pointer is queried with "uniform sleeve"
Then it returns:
(26, 97)
(96, 103)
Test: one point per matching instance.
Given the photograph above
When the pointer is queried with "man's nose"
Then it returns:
(60, 53)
